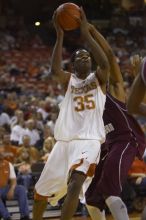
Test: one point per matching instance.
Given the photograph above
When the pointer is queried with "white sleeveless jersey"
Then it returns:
(81, 111)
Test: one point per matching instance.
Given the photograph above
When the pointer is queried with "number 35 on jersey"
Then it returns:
(84, 102)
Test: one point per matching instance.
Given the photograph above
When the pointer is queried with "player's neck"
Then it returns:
(82, 76)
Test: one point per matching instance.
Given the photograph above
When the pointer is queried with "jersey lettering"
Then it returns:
(84, 89)
(108, 128)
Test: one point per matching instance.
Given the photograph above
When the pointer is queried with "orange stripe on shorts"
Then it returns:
(39, 197)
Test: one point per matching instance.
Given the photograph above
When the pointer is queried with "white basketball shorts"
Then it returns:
(81, 155)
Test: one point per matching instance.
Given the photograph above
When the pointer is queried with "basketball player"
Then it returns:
(137, 92)
(124, 140)
(136, 96)
(79, 129)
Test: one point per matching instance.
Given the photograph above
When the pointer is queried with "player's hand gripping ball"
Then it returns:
(68, 15)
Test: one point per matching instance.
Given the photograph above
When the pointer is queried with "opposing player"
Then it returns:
(136, 96)
(79, 129)
(138, 91)
(124, 140)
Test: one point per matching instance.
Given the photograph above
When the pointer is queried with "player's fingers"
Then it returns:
(54, 15)
(82, 13)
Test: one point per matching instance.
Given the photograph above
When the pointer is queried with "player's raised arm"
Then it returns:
(56, 61)
(95, 49)
(115, 73)
(137, 92)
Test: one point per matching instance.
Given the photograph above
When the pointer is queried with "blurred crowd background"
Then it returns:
(29, 94)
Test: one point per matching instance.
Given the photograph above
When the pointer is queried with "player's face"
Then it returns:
(82, 62)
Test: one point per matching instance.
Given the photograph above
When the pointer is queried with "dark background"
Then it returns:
(43, 9)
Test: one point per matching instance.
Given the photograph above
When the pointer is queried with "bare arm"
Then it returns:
(115, 73)
(56, 61)
(13, 183)
(136, 96)
(95, 49)
(138, 89)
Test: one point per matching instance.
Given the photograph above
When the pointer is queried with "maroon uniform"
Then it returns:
(124, 140)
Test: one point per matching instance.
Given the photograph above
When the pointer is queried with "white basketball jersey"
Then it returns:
(81, 111)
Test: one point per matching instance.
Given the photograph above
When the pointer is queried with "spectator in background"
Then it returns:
(17, 127)
(47, 132)
(28, 153)
(17, 118)
(137, 172)
(11, 102)
(39, 121)
(27, 156)
(42, 110)
(4, 119)
(2, 133)
(52, 118)
(32, 132)
(47, 148)
(51, 122)
(10, 190)
(11, 152)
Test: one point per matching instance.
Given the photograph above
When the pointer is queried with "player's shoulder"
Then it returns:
(63, 77)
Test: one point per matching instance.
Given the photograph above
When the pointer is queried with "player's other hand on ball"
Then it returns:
(56, 23)
(84, 25)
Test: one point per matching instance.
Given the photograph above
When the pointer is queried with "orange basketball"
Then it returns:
(67, 14)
